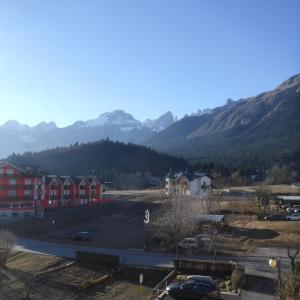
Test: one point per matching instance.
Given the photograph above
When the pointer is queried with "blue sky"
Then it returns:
(73, 60)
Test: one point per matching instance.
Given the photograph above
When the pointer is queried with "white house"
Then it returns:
(188, 184)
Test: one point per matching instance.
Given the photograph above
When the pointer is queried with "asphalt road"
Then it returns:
(255, 264)
(260, 277)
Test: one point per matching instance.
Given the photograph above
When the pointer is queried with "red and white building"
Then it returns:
(23, 193)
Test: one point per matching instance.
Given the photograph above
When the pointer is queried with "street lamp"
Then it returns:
(276, 263)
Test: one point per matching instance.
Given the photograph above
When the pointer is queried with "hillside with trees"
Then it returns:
(125, 165)
(257, 132)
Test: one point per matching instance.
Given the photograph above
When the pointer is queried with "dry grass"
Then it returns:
(239, 206)
(266, 233)
(32, 262)
(124, 290)
(63, 284)
(275, 189)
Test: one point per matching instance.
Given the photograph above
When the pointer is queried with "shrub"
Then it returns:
(237, 277)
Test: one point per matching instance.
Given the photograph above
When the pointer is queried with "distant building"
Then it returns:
(23, 192)
(187, 184)
(289, 200)
(17, 192)
(155, 181)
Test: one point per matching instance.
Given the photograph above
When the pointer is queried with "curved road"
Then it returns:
(255, 264)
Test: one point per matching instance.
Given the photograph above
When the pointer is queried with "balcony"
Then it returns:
(28, 186)
(10, 199)
(9, 187)
(9, 176)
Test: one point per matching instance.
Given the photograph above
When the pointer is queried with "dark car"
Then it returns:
(193, 289)
(81, 236)
(275, 217)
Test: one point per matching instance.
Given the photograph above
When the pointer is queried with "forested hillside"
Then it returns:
(126, 165)
(256, 132)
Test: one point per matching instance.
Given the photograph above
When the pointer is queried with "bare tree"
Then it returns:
(293, 250)
(262, 197)
(7, 242)
(289, 287)
(175, 222)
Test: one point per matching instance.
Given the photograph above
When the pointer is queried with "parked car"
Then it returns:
(293, 217)
(3, 219)
(193, 289)
(293, 209)
(81, 236)
(189, 243)
(275, 217)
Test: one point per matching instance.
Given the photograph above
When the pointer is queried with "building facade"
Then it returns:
(23, 193)
(187, 184)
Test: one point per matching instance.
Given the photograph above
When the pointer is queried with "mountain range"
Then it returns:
(116, 125)
(258, 131)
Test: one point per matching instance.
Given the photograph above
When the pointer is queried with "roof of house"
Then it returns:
(289, 198)
(190, 176)
(28, 170)
(49, 178)
(170, 174)
(210, 218)
(92, 178)
(12, 166)
(78, 179)
(65, 177)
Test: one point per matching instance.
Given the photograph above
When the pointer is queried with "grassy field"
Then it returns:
(275, 189)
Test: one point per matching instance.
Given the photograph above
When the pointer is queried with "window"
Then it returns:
(66, 192)
(53, 193)
(27, 181)
(15, 205)
(12, 181)
(12, 193)
(82, 192)
(10, 171)
(53, 184)
(4, 205)
(27, 193)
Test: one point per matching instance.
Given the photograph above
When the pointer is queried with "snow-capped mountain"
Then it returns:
(115, 125)
(125, 121)
(45, 126)
(161, 123)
